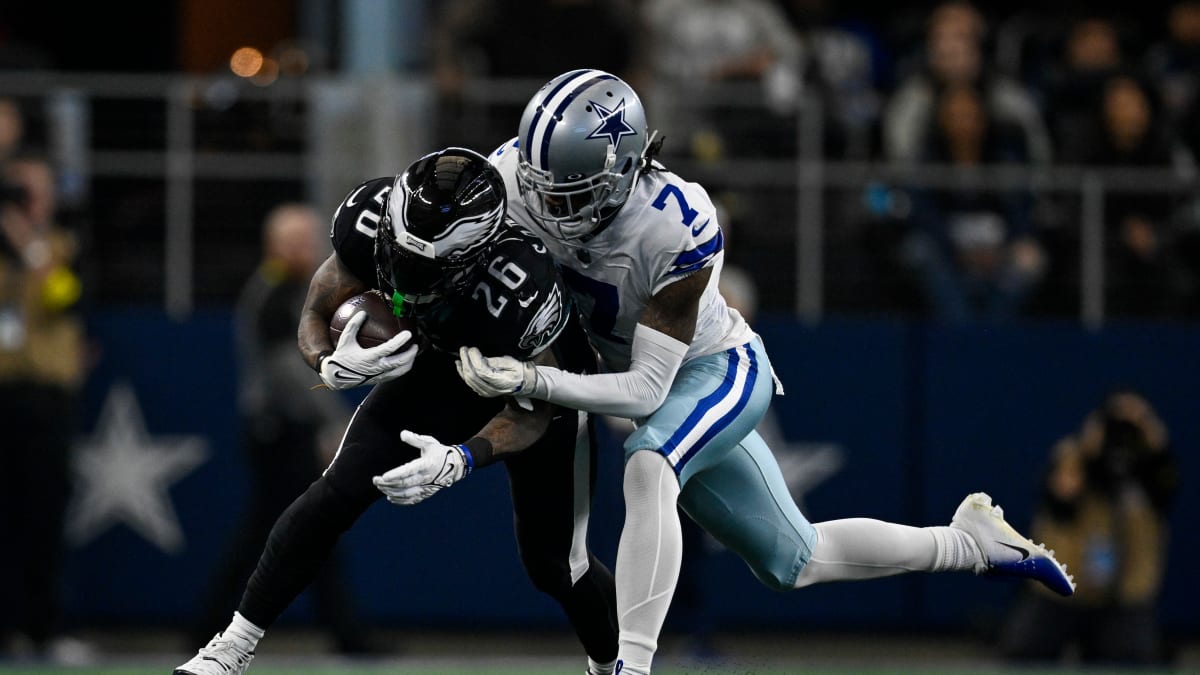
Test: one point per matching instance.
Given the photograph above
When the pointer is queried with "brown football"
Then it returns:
(381, 325)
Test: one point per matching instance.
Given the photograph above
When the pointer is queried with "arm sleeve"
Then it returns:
(634, 393)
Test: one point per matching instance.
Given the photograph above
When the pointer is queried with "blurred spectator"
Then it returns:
(1142, 273)
(1105, 501)
(1174, 62)
(12, 128)
(695, 51)
(551, 37)
(954, 56)
(42, 367)
(1091, 55)
(838, 63)
(290, 433)
(974, 247)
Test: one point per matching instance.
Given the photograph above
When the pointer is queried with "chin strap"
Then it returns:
(653, 148)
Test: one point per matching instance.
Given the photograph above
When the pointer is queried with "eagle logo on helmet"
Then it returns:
(612, 123)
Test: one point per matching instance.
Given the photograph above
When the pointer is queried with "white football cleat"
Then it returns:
(221, 656)
(1005, 552)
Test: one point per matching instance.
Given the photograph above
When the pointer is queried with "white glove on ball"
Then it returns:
(352, 365)
(439, 466)
(496, 375)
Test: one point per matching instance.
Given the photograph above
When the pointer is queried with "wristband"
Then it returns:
(320, 358)
(467, 456)
(478, 451)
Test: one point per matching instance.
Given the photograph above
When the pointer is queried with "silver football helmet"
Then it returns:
(582, 142)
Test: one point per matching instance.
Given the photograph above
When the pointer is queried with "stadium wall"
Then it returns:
(903, 417)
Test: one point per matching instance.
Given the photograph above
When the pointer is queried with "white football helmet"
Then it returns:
(582, 142)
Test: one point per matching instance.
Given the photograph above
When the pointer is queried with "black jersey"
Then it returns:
(513, 304)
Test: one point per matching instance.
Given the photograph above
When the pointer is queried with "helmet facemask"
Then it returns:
(571, 209)
(413, 283)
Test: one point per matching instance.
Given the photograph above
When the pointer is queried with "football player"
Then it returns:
(641, 250)
(436, 241)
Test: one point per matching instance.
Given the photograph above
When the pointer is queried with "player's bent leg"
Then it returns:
(1005, 552)
(551, 492)
(648, 557)
(302, 539)
(296, 549)
(743, 501)
(714, 402)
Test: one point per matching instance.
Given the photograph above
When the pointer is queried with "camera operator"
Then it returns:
(41, 370)
(1105, 501)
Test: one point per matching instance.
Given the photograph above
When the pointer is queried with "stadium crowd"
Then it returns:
(1088, 86)
(953, 83)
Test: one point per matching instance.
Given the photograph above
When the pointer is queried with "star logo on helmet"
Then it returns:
(612, 123)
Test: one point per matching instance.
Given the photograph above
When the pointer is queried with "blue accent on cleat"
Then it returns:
(1038, 568)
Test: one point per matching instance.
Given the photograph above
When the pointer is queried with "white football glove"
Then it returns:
(496, 375)
(439, 466)
(352, 365)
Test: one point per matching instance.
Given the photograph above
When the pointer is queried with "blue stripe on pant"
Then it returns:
(730, 483)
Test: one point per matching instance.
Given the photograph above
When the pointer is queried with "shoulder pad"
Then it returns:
(361, 209)
(354, 225)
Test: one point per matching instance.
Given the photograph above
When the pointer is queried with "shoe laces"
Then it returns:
(221, 649)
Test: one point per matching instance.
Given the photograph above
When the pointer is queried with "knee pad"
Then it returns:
(779, 572)
(548, 574)
(322, 501)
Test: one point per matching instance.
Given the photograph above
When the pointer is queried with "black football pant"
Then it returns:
(431, 399)
(284, 460)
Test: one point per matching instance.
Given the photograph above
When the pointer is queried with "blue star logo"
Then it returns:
(612, 123)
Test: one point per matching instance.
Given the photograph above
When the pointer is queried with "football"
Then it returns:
(381, 325)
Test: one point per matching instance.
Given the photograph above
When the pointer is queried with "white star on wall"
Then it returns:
(122, 475)
(804, 465)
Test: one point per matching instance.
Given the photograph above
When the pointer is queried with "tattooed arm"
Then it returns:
(515, 428)
(512, 430)
(330, 286)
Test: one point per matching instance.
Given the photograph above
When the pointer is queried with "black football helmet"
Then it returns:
(443, 213)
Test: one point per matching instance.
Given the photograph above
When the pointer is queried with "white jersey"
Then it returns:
(666, 230)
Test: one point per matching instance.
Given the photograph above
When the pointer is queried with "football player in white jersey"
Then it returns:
(641, 250)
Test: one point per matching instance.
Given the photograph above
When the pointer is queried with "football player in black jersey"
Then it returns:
(436, 242)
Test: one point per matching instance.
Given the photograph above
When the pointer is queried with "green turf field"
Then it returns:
(401, 668)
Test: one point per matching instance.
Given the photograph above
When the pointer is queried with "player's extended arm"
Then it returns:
(660, 341)
(512, 430)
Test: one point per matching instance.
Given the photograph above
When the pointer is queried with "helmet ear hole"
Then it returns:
(627, 165)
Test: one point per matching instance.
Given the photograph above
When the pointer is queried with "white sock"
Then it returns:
(595, 668)
(863, 548)
(648, 558)
(242, 628)
(957, 550)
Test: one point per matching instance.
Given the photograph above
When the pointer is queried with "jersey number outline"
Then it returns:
(507, 273)
(602, 319)
(669, 190)
(605, 297)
